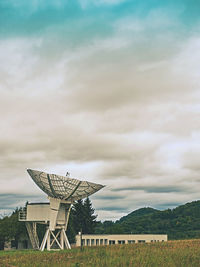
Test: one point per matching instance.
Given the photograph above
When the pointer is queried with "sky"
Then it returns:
(107, 90)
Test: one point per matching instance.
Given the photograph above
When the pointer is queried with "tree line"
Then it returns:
(182, 222)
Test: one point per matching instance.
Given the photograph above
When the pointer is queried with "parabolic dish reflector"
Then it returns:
(62, 187)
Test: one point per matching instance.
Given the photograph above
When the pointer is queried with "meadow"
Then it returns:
(172, 253)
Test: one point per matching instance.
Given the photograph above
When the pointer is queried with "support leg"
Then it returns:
(44, 240)
(62, 240)
(67, 244)
(49, 240)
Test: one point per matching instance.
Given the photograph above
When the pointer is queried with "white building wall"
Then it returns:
(38, 212)
(96, 240)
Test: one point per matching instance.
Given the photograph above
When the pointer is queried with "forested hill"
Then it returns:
(179, 223)
(138, 213)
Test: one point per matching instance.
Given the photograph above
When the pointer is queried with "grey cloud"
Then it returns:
(153, 189)
(191, 157)
(169, 205)
(132, 115)
(11, 201)
(111, 197)
(112, 208)
(130, 87)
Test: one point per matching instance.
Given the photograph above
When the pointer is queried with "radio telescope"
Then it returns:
(62, 192)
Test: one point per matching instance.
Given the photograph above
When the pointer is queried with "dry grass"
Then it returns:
(173, 253)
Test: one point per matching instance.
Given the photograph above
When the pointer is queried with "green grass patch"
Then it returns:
(173, 253)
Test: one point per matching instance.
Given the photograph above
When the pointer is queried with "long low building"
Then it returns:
(102, 240)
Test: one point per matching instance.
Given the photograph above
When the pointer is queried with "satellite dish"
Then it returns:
(62, 192)
(62, 187)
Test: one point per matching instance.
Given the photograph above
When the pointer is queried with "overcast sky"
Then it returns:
(107, 90)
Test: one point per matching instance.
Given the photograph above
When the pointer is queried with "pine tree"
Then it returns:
(89, 217)
(78, 216)
(82, 217)
(71, 232)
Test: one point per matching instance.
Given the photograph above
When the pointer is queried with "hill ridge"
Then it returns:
(182, 222)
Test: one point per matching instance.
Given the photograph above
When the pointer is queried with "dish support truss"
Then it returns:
(60, 237)
(56, 226)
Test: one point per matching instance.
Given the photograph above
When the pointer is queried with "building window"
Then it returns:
(83, 242)
(111, 242)
(101, 241)
(97, 242)
(105, 241)
(88, 242)
(141, 241)
(92, 242)
(131, 241)
(121, 241)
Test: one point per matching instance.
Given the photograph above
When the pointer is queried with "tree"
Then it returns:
(83, 217)
(90, 218)
(11, 228)
(71, 229)
(78, 216)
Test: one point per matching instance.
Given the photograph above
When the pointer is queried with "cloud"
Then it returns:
(112, 208)
(152, 189)
(116, 104)
(10, 201)
(111, 197)
(88, 3)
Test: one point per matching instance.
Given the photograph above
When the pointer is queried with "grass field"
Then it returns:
(172, 253)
